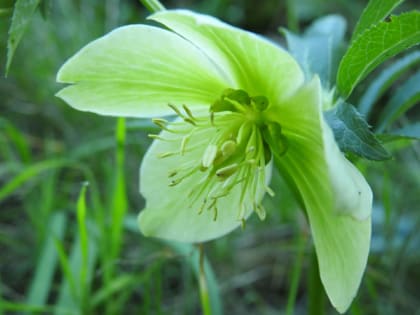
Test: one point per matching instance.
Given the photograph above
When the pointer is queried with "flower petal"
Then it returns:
(319, 173)
(137, 70)
(170, 212)
(255, 64)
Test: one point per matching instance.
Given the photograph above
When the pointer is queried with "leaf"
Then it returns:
(409, 132)
(43, 278)
(191, 253)
(319, 50)
(404, 98)
(384, 80)
(352, 133)
(374, 12)
(22, 14)
(374, 46)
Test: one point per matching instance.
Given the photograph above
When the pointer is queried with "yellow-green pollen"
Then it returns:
(243, 140)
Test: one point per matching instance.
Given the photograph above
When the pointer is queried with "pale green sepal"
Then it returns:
(136, 70)
(257, 65)
(313, 165)
(170, 212)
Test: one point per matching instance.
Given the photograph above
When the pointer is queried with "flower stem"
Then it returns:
(316, 295)
(153, 5)
(202, 281)
(300, 251)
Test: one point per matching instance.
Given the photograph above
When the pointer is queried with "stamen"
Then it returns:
(226, 171)
(161, 123)
(262, 214)
(184, 142)
(166, 154)
(176, 110)
(228, 148)
(209, 156)
(215, 210)
(269, 191)
(188, 112)
(157, 137)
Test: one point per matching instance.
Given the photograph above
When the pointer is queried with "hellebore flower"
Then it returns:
(241, 102)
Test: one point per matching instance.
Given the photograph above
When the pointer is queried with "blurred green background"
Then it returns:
(62, 252)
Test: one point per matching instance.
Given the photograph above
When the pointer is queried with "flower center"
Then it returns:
(232, 149)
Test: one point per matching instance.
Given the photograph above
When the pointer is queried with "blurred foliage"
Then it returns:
(54, 262)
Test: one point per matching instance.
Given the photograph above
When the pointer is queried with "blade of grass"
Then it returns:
(83, 236)
(17, 138)
(297, 267)
(68, 299)
(113, 237)
(22, 15)
(316, 295)
(119, 204)
(192, 255)
(43, 278)
(152, 5)
(384, 80)
(402, 100)
(29, 172)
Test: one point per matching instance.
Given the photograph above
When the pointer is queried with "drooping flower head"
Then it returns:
(240, 102)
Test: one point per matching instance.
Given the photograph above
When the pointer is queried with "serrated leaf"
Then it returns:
(352, 133)
(22, 15)
(374, 46)
(403, 99)
(384, 80)
(319, 49)
(374, 12)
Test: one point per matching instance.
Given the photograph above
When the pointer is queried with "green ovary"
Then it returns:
(232, 146)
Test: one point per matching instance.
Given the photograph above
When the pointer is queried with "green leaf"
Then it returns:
(22, 15)
(374, 46)
(384, 80)
(43, 278)
(410, 132)
(319, 50)
(374, 12)
(352, 133)
(191, 253)
(402, 100)
(152, 5)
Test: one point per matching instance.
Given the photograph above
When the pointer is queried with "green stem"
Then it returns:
(153, 5)
(202, 281)
(291, 300)
(316, 293)
(292, 20)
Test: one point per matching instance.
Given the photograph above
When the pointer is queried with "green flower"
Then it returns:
(241, 102)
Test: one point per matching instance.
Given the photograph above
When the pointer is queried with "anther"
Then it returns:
(228, 148)
(261, 212)
(226, 171)
(190, 121)
(176, 110)
(172, 173)
(184, 144)
(215, 213)
(269, 191)
(209, 156)
(156, 137)
(188, 112)
(166, 154)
